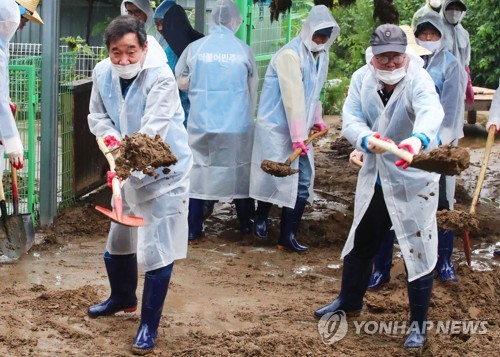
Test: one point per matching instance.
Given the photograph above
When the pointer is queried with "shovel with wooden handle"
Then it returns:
(23, 222)
(117, 214)
(445, 160)
(12, 241)
(282, 169)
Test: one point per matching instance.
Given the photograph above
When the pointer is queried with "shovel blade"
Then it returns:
(130, 221)
(13, 240)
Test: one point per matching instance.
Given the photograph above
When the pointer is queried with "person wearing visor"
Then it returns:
(444, 70)
(13, 16)
(289, 108)
(142, 10)
(457, 40)
(392, 97)
(134, 90)
(433, 6)
(220, 123)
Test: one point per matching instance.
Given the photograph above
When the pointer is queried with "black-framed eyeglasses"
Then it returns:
(397, 59)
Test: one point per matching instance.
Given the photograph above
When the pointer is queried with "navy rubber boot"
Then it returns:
(245, 210)
(261, 221)
(195, 218)
(155, 290)
(355, 277)
(419, 294)
(382, 263)
(122, 275)
(290, 221)
(444, 266)
(208, 208)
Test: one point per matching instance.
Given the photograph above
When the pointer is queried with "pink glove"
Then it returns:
(110, 176)
(375, 149)
(356, 158)
(300, 144)
(16, 159)
(319, 127)
(493, 122)
(413, 146)
(111, 142)
(469, 91)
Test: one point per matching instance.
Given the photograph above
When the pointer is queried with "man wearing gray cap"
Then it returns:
(392, 97)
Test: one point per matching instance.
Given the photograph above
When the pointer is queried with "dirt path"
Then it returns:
(244, 298)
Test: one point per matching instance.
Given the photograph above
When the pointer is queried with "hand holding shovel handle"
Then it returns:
(311, 137)
(392, 148)
(117, 215)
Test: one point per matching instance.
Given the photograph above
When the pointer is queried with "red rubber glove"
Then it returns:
(469, 91)
(16, 159)
(111, 142)
(319, 127)
(300, 144)
(413, 146)
(110, 176)
(13, 108)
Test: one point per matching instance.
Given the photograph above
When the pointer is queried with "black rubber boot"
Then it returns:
(195, 218)
(261, 223)
(355, 277)
(444, 266)
(122, 275)
(155, 290)
(419, 295)
(382, 263)
(245, 210)
(290, 221)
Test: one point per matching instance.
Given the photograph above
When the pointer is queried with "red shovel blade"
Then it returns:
(467, 251)
(131, 221)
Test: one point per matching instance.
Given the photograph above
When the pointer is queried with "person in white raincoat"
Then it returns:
(457, 40)
(135, 91)
(289, 107)
(220, 75)
(13, 16)
(444, 69)
(494, 120)
(142, 10)
(430, 6)
(393, 96)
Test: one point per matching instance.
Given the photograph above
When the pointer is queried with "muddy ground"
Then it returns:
(244, 298)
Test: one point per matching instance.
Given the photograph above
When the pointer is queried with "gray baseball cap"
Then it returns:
(388, 38)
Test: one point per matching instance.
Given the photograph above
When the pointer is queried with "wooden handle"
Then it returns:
(107, 154)
(392, 148)
(311, 137)
(2, 194)
(482, 172)
(15, 192)
(356, 161)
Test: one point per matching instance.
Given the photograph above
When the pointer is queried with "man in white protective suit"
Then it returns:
(391, 97)
(134, 90)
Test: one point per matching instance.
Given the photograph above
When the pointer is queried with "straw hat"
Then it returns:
(30, 6)
(412, 42)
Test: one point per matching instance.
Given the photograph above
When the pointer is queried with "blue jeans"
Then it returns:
(305, 173)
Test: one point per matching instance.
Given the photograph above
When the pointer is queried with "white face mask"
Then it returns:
(316, 48)
(127, 72)
(453, 16)
(390, 77)
(436, 4)
(432, 46)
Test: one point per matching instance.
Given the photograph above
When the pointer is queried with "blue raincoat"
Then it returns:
(411, 195)
(151, 106)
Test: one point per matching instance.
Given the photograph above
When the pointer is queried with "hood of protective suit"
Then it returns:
(145, 6)
(435, 20)
(226, 13)
(448, 2)
(162, 9)
(319, 18)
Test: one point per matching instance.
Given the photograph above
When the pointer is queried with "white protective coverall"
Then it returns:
(145, 6)
(9, 135)
(456, 38)
(220, 75)
(151, 106)
(290, 98)
(444, 70)
(411, 195)
(421, 12)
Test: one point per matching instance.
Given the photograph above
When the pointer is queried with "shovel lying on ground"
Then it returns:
(459, 221)
(446, 160)
(12, 239)
(117, 214)
(279, 169)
